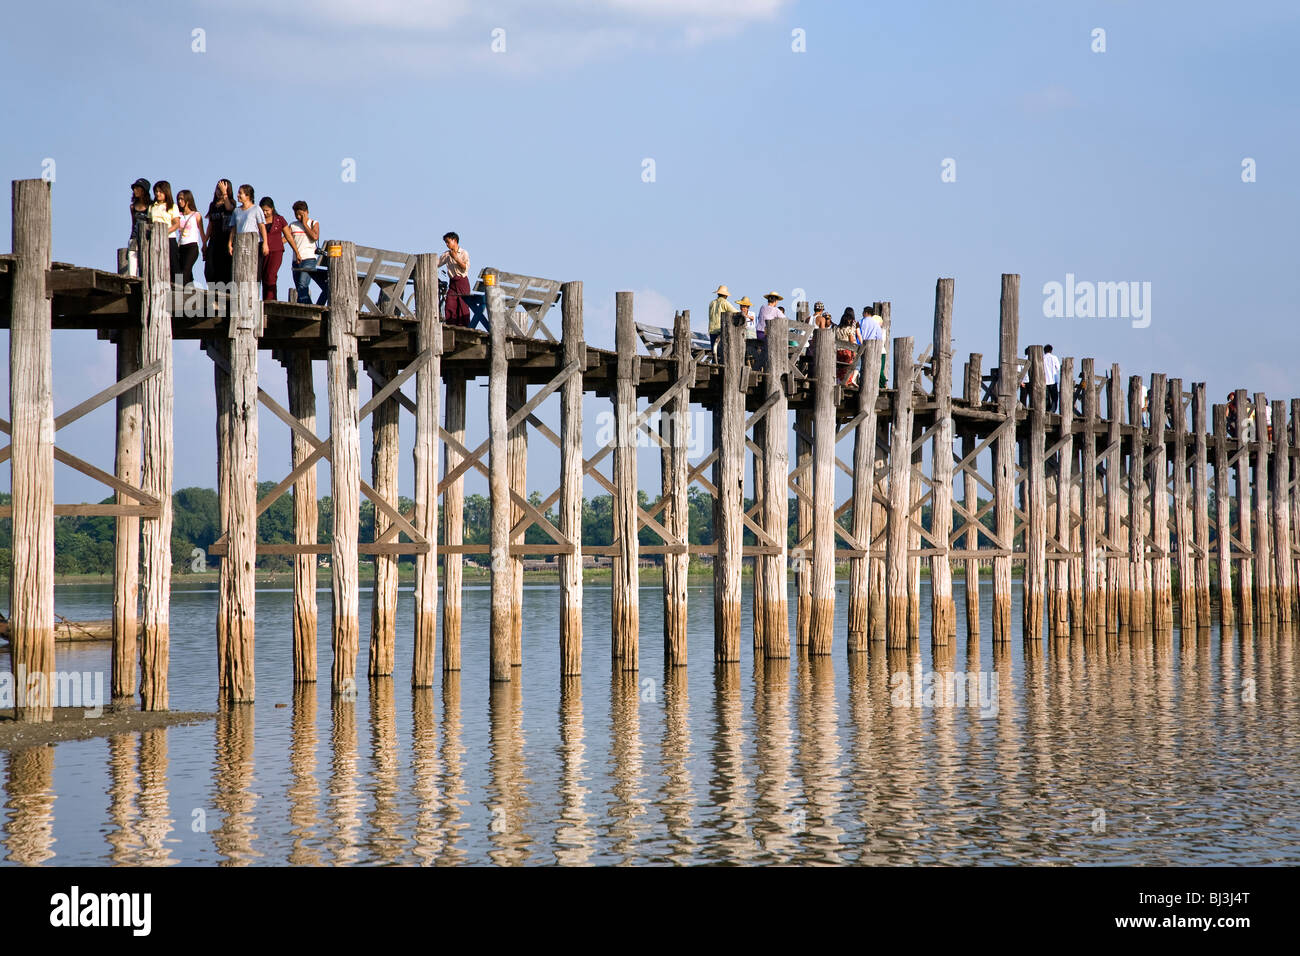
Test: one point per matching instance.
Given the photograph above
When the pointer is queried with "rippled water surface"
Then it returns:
(1178, 750)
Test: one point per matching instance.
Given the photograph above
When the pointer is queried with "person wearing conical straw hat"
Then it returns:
(767, 312)
(721, 306)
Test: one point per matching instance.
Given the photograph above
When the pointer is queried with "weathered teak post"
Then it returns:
(302, 406)
(730, 476)
(1263, 550)
(1222, 516)
(943, 613)
(1182, 524)
(1295, 505)
(972, 392)
(1116, 563)
(758, 510)
(864, 479)
(241, 548)
(803, 450)
(773, 605)
(428, 381)
(453, 518)
(1093, 597)
(1246, 571)
(900, 499)
(1161, 595)
(625, 603)
(384, 452)
(501, 621)
(571, 472)
(879, 515)
(345, 462)
(1137, 509)
(1036, 531)
(1200, 505)
(821, 627)
(676, 515)
(219, 349)
(1280, 494)
(31, 404)
(126, 537)
(517, 456)
(1004, 456)
(1068, 571)
(156, 470)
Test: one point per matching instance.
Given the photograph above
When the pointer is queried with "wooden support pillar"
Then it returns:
(1295, 506)
(1094, 598)
(973, 394)
(821, 626)
(943, 612)
(384, 450)
(219, 348)
(864, 478)
(345, 460)
(1182, 515)
(1036, 509)
(575, 350)
(156, 469)
(758, 617)
(1069, 571)
(1004, 456)
(453, 524)
(1222, 517)
(900, 499)
(126, 537)
(1245, 573)
(803, 427)
(1200, 506)
(1116, 560)
(1263, 547)
(1161, 592)
(625, 575)
(876, 609)
(302, 406)
(775, 493)
(730, 432)
(1137, 510)
(517, 456)
(31, 405)
(428, 383)
(1280, 492)
(914, 542)
(502, 616)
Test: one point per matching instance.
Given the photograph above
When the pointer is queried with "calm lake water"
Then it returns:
(1184, 750)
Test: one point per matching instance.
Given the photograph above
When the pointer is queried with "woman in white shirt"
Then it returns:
(192, 236)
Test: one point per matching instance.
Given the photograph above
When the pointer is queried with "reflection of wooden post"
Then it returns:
(156, 470)
(1036, 530)
(1246, 571)
(1280, 492)
(625, 602)
(126, 537)
(302, 406)
(345, 457)
(384, 424)
(453, 527)
(773, 606)
(1263, 549)
(575, 350)
(1161, 596)
(499, 489)
(517, 456)
(1004, 456)
(1137, 511)
(428, 381)
(1200, 506)
(1222, 516)
(821, 626)
(730, 414)
(900, 499)
(864, 477)
(943, 612)
(31, 404)
(971, 493)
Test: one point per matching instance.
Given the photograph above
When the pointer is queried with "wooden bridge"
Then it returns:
(1099, 505)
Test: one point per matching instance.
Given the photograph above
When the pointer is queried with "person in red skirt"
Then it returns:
(455, 309)
(277, 229)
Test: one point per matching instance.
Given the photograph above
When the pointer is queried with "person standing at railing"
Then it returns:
(191, 235)
(1051, 377)
(455, 309)
(766, 313)
(277, 231)
(304, 233)
(873, 327)
(164, 212)
(217, 264)
(719, 309)
(247, 218)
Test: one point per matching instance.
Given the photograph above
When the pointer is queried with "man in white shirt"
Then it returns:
(1052, 377)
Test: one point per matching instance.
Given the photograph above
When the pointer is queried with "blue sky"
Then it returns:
(816, 170)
